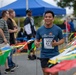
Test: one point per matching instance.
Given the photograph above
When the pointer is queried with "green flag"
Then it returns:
(4, 56)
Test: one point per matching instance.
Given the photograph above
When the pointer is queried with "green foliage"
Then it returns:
(38, 20)
(67, 3)
(21, 19)
(58, 21)
(22, 22)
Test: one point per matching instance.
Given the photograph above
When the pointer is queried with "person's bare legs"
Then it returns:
(45, 73)
(6, 64)
(55, 73)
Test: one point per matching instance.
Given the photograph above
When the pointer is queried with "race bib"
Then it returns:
(47, 42)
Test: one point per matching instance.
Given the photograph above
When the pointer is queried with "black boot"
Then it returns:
(34, 56)
(29, 56)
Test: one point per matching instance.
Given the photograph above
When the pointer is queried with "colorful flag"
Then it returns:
(4, 56)
(62, 66)
(66, 60)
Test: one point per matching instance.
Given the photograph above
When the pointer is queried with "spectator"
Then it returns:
(30, 31)
(12, 30)
(66, 23)
(72, 25)
(21, 35)
(4, 35)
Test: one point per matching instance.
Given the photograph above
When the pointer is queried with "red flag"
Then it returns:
(62, 66)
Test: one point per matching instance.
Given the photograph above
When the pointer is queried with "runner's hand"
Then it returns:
(54, 43)
(37, 44)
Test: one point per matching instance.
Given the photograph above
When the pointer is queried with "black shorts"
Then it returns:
(45, 63)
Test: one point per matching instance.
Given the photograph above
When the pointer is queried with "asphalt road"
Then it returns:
(31, 67)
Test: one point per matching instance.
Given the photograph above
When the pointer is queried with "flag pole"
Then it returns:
(26, 4)
(66, 32)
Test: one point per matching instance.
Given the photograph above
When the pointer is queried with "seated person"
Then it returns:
(21, 35)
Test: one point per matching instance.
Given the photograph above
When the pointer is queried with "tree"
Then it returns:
(67, 3)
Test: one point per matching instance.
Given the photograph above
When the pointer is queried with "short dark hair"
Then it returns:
(3, 13)
(49, 12)
(10, 11)
(27, 11)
